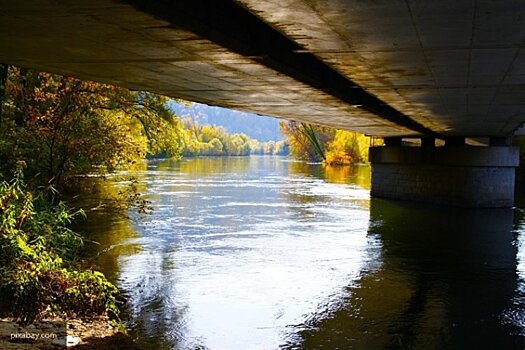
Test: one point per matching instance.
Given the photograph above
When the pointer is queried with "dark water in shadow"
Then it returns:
(264, 253)
(446, 279)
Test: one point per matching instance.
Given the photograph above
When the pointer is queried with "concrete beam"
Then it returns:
(393, 141)
(458, 176)
(428, 142)
(461, 156)
(455, 141)
(504, 141)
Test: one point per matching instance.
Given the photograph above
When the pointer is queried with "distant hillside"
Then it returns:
(257, 127)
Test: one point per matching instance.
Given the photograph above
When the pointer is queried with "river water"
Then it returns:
(267, 253)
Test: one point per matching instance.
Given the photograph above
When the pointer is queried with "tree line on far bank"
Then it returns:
(210, 140)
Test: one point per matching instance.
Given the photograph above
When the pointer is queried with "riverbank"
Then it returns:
(52, 334)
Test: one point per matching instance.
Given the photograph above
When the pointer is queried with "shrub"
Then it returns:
(38, 270)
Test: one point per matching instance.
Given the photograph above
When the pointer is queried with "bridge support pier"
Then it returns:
(454, 175)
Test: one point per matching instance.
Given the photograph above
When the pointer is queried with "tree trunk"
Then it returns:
(3, 80)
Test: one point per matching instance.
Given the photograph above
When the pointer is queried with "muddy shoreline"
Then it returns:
(53, 334)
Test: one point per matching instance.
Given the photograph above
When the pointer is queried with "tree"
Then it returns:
(282, 148)
(80, 126)
(307, 141)
(39, 275)
(332, 146)
(269, 147)
(162, 127)
(347, 147)
(3, 81)
(255, 147)
(216, 147)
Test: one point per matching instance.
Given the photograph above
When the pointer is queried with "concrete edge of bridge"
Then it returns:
(477, 177)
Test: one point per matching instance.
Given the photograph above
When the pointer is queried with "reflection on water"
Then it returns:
(447, 279)
(266, 253)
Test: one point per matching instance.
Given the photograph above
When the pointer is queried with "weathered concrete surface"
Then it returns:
(449, 156)
(455, 66)
(452, 67)
(112, 41)
(459, 176)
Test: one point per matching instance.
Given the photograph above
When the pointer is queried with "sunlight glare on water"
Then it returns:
(230, 260)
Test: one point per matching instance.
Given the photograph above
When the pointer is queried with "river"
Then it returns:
(267, 253)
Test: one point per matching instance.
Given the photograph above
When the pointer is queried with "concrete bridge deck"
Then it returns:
(383, 68)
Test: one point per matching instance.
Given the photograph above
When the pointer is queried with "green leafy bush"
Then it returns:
(38, 271)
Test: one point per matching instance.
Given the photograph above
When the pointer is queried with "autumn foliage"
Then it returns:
(321, 144)
(62, 126)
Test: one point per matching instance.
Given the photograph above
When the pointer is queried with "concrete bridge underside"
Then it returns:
(445, 69)
(384, 68)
